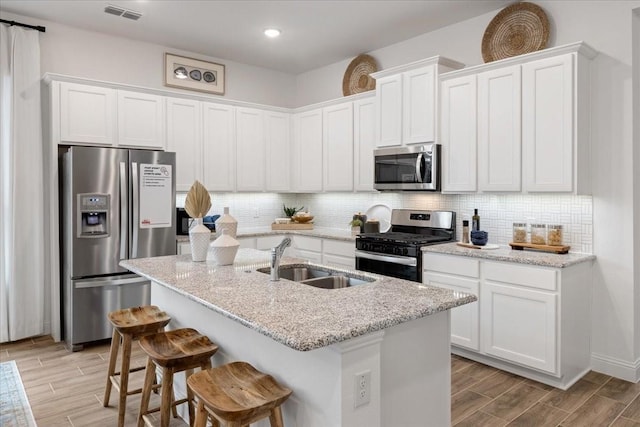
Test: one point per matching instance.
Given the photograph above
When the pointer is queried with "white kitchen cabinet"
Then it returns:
(87, 114)
(458, 132)
(364, 142)
(548, 123)
(184, 137)
(141, 120)
(277, 129)
(265, 243)
(407, 97)
(340, 253)
(389, 100)
(219, 142)
(499, 129)
(337, 147)
(307, 151)
(183, 248)
(530, 320)
(247, 242)
(520, 325)
(250, 149)
(309, 248)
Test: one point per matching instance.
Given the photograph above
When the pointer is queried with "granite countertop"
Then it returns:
(297, 315)
(505, 253)
(320, 232)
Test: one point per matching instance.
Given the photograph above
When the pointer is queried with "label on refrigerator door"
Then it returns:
(155, 196)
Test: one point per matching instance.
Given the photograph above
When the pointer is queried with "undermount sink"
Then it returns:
(319, 277)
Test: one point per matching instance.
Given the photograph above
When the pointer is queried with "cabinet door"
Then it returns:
(459, 134)
(389, 100)
(364, 140)
(307, 152)
(418, 105)
(337, 146)
(250, 163)
(547, 124)
(87, 114)
(339, 253)
(499, 130)
(519, 325)
(465, 325)
(265, 243)
(183, 248)
(184, 137)
(278, 144)
(218, 145)
(141, 120)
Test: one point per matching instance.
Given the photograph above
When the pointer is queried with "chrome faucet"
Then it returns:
(276, 254)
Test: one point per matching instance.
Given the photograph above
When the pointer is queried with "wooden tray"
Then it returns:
(292, 226)
(546, 248)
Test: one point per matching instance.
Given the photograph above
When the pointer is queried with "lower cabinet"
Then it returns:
(533, 321)
(309, 248)
(335, 252)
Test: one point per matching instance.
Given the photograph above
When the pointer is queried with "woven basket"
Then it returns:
(357, 79)
(515, 30)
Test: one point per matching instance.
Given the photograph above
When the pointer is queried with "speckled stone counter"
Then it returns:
(300, 316)
(320, 232)
(505, 253)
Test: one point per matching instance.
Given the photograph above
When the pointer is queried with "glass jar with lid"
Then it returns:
(554, 235)
(519, 232)
(539, 234)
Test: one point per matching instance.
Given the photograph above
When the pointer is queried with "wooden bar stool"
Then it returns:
(173, 351)
(129, 324)
(237, 394)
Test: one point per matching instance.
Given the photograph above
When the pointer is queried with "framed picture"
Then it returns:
(189, 73)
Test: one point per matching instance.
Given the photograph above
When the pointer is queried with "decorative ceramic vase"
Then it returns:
(227, 222)
(224, 249)
(199, 237)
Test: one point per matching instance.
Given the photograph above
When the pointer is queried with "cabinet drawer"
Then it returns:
(307, 243)
(267, 242)
(535, 277)
(336, 247)
(451, 264)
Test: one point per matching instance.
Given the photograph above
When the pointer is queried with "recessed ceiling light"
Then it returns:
(272, 32)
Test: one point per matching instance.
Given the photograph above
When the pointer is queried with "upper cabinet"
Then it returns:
(277, 128)
(141, 120)
(184, 137)
(519, 124)
(87, 114)
(337, 147)
(307, 151)
(219, 147)
(407, 99)
(250, 150)
(364, 141)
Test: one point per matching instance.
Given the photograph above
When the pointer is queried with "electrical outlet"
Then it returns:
(256, 213)
(362, 385)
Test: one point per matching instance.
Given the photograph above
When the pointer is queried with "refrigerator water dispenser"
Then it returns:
(93, 215)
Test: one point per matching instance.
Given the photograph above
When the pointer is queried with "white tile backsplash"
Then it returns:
(497, 212)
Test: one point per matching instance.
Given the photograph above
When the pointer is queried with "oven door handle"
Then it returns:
(412, 262)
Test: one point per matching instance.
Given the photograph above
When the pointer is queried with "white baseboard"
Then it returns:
(628, 371)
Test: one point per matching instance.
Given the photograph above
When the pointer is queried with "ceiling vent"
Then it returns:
(125, 13)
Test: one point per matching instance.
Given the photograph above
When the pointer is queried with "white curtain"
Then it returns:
(21, 186)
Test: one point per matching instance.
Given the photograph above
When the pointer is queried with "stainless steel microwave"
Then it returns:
(414, 167)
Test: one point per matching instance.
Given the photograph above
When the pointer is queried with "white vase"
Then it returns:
(199, 238)
(227, 222)
(224, 249)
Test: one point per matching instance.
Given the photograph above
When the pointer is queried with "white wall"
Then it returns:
(75, 52)
(636, 166)
(606, 26)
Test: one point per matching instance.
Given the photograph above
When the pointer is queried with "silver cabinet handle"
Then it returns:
(412, 262)
(124, 211)
(136, 207)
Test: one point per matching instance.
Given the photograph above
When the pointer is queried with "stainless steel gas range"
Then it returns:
(397, 253)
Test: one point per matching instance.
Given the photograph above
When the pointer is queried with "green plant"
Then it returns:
(291, 211)
(356, 223)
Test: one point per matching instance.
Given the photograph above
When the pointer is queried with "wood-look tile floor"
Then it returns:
(66, 389)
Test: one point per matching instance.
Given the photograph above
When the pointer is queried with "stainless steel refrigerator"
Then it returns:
(115, 204)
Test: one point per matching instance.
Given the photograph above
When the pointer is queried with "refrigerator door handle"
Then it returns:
(102, 283)
(124, 211)
(135, 209)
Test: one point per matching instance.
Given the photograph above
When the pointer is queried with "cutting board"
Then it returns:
(292, 226)
(472, 246)
(546, 248)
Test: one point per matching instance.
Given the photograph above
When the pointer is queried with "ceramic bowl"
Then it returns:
(479, 238)
(302, 218)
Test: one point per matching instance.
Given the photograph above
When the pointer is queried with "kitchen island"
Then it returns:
(319, 342)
